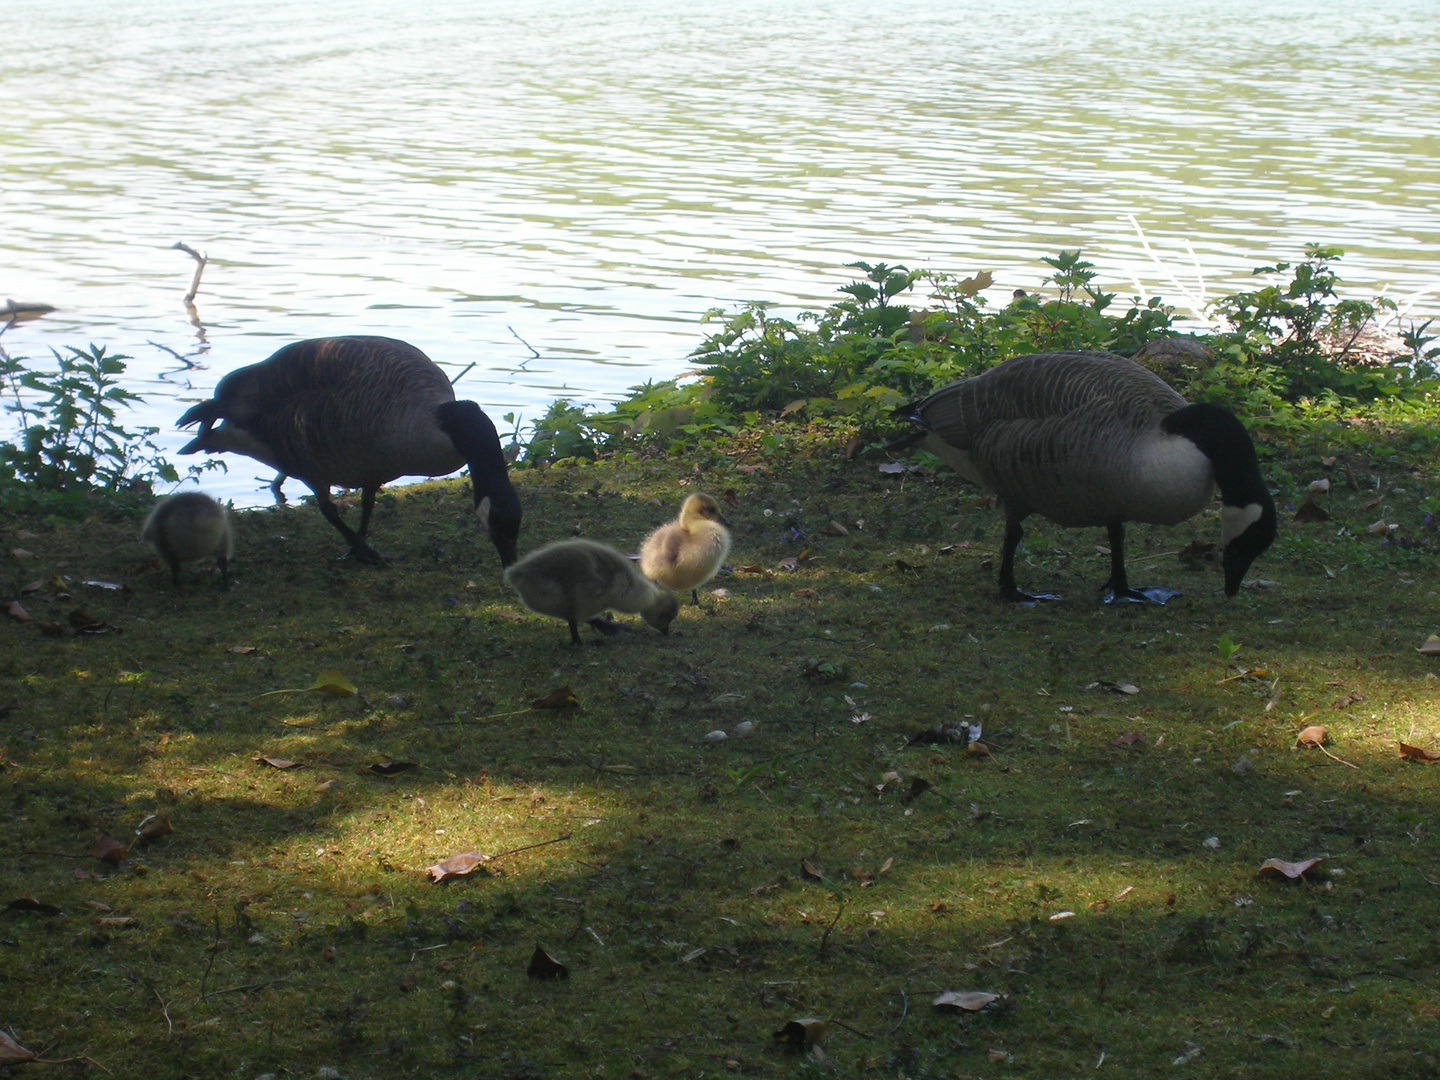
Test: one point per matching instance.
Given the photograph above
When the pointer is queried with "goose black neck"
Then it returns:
(478, 442)
(1223, 439)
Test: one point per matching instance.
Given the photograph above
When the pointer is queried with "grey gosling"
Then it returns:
(576, 580)
(358, 412)
(188, 527)
(1090, 438)
(686, 553)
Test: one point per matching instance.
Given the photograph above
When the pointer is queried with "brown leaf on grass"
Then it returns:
(803, 1033)
(545, 966)
(730, 497)
(85, 623)
(854, 444)
(789, 564)
(510, 616)
(456, 866)
(834, 528)
(747, 470)
(242, 649)
(1431, 647)
(12, 1053)
(1290, 870)
(750, 568)
(392, 768)
(964, 1000)
(918, 786)
(1314, 735)
(280, 763)
(1311, 511)
(561, 698)
(21, 553)
(1344, 701)
(811, 870)
(154, 827)
(1373, 503)
(109, 850)
(1130, 738)
(17, 611)
(807, 593)
(977, 749)
(34, 586)
(1199, 551)
(51, 628)
(1417, 753)
(30, 905)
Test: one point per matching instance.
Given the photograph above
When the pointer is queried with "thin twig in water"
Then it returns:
(533, 354)
(462, 374)
(166, 348)
(200, 261)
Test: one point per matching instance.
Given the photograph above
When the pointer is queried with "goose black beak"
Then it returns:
(1243, 550)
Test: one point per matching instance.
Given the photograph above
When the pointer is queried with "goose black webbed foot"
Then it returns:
(1149, 594)
(365, 555)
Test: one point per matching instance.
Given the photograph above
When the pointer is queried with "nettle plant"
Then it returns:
(71, 442)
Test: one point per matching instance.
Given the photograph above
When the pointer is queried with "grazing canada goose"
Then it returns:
(1089, 438)
(685, 553)
(575, 580)
(188, 527)
(358, 412)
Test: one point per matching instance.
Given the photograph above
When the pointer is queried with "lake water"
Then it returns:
(558, 190)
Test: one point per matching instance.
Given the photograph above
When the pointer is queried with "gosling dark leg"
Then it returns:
(575, 633)
(362, 551)
(224, 564)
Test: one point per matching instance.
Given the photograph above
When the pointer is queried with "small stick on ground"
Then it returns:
(200, 261)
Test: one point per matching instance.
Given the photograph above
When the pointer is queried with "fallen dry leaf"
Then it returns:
(332, 682)
(154, 827)
(392, 768)
(1311, 511)
(561, 698)
(34, 586)
(977, 750)
(1291, 870)
(1431, 646)
(109, 850)
(51, 628)
(1416, 753)
(21, 553)
(242, 649)
(32, 906)
(280, 763)
(834, 528)
(811, 870)
(1344, 701)
(965, 1000)
(456, 866)
(1314, 735)
(1130, 738)
(85, 623)
(17, 612)
(750, 568)
(12, 1053)
(545, 966)
(803, 1033)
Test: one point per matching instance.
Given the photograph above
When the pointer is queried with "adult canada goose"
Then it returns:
(685, 553)
(1089, 438)
(358, 412)
(188, 527)
(576, 580)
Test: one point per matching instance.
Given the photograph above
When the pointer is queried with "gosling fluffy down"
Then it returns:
(576, 580)
(188, 527)
(686, 553)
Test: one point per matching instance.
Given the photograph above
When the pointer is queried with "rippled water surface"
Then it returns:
(582, 181)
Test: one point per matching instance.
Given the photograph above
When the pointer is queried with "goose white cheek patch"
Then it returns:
(1234, 520)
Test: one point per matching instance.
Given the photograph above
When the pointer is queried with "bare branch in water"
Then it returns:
(200, 261)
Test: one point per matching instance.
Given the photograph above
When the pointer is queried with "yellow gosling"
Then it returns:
(686, 552)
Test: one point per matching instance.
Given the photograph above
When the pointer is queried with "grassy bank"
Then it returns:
(1097, 869)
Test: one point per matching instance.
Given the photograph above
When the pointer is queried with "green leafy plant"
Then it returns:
(1226, 648)
(71, 443)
